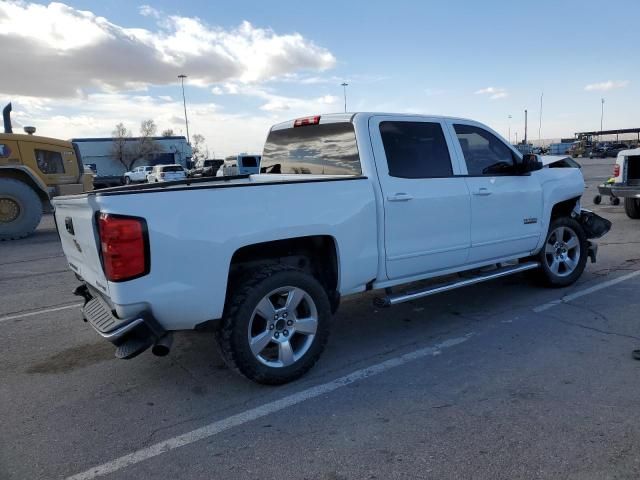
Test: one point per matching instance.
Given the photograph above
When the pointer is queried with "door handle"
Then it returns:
(399, 197)
(482, 191)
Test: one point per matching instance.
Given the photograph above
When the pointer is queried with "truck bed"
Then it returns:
(196, 226)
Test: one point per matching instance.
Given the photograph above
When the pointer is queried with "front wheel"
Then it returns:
(127, 180)
(275, 325)
(564, 254)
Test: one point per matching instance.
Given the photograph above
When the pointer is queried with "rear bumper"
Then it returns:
(626, 191)
(131, 336)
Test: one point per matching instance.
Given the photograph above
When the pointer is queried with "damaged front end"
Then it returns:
(594, 226)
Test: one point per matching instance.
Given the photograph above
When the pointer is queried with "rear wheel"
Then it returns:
(275, 325)
(564, 253)
(632, 207)
(20, 209)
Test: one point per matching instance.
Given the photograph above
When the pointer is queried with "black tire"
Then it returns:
(566, 277)
(597, 199)
(20, 209)
(127, 180)
(614, 200)
(242, 302)
(632, 207)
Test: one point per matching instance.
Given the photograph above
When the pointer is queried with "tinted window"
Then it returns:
(249, 162)
(415, 149)
(49, 162)
(325, 149)
(484, 153)
(172, 168)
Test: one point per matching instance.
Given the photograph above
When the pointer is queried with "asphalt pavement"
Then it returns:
(502, 380)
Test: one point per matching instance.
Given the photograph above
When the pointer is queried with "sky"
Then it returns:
(78, 68)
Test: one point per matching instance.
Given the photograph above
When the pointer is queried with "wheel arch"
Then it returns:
(316, 254)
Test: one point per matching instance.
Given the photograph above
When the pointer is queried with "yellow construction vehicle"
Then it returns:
(33, 170)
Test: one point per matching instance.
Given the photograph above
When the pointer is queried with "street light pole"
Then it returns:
(601, 115)
(182, 76)
(509, 117)
(540, 124)
(344, 88)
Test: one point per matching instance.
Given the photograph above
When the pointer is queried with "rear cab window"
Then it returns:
(320, 149)
(172, 168)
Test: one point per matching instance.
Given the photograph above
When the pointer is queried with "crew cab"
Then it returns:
(626, 181)
(352, 202)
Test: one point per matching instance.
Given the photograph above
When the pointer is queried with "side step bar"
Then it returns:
(394, 299)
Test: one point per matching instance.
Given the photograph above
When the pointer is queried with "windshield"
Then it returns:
(324, 149)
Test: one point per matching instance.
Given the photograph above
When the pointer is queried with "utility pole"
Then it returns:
(516, 138)
(540, 124)
(601, 116)
(509, 118)
(182, 76)
(344, 89)
(525, 126)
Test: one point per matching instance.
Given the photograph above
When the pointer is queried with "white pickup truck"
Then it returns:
(352, 202)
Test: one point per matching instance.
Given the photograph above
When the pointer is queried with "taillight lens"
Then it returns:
(124, 245)
(616, 170)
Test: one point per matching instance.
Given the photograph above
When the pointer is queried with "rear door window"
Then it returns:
(415, 149)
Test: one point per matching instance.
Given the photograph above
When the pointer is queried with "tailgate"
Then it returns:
(75, 218)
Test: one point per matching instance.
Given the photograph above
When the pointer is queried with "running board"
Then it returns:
(394, 299)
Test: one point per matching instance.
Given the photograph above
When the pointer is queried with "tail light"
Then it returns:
(124, 244)
(616, 170)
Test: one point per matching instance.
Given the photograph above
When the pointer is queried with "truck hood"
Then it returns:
(549, 159)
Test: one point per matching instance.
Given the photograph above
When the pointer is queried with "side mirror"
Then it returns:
(530, 163)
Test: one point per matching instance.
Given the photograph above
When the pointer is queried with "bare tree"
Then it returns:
(147, 146)
(120, 148)
(198, 148)
(168, 132)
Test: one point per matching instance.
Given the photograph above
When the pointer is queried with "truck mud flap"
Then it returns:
(594, 225)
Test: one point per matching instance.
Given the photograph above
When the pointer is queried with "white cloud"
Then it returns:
(493, 92)
(605, 86)
(76, 51)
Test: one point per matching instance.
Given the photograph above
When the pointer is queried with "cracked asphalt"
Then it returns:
(553, 394)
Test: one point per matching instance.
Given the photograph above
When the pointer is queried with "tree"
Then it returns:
(198, 148)
(147, 146)
(168, 132)
(120, 148)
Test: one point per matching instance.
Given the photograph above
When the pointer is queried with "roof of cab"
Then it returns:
(21, 137)
(349, 116)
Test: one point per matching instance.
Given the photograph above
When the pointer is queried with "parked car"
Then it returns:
(626, 181)
(137, 175)
(614, 149)
(206, 168)
(242, 164)
(356, 202)
(166, 173)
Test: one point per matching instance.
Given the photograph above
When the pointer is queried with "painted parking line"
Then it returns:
(586, 291)
(39, 312)
(263, 410)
